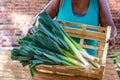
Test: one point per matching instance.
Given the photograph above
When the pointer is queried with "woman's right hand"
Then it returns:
(30, 30)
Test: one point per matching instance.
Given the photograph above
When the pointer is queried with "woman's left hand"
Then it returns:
(111, 42)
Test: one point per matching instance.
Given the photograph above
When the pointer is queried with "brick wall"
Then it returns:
(16, 16)
(115, 9)
(15, 19)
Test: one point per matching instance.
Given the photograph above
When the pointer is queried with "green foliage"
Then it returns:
(116, 58)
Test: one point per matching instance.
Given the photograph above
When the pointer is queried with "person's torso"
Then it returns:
(91, 17)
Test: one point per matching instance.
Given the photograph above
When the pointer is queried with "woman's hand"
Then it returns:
(106, 20)
(111, 41)
(30, 30)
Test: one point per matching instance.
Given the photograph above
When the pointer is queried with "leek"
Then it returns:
(50, 45)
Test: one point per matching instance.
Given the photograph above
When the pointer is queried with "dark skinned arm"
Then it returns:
(106, 20)
(52, 9)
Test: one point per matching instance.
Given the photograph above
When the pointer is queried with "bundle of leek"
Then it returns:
(50, 45)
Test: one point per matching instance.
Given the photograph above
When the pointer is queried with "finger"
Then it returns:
(30, 31)
(110, 47)
(108, 41)
(111, 44)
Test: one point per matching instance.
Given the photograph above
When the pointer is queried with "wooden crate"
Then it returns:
(90, 73)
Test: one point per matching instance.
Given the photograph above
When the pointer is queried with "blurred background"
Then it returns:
(16, 16)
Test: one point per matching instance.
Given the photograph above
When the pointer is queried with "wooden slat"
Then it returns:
(110, 74)
(106, 45)
(101, 48)
(87, 34)
(90, 47)
(82, 25)
(83, 34)
(85, 37)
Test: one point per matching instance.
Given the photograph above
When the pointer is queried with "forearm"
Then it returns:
(106, 17)
(51, 8)
(113, 27)
(113, 31)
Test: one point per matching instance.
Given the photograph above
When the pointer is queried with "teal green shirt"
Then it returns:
(91, 18)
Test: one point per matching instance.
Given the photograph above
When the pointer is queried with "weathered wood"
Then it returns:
(110, 74)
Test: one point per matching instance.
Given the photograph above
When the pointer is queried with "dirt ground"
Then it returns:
(115, 56)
